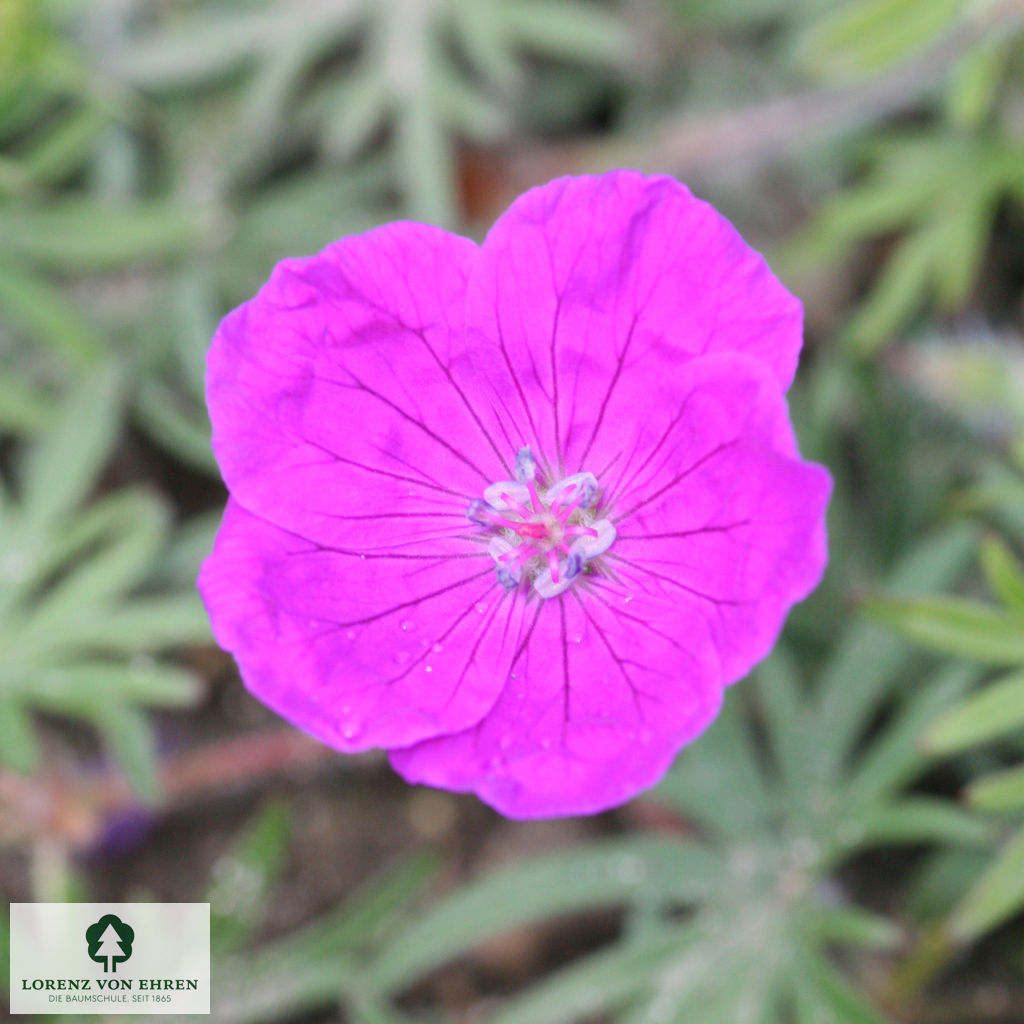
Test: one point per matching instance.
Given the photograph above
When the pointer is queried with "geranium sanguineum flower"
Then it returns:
(516, 512)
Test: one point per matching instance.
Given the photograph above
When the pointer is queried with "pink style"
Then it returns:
(516, 512)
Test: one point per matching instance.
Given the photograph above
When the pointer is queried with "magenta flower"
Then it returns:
(515, 512)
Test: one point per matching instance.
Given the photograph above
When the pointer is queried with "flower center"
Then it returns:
(547, 538)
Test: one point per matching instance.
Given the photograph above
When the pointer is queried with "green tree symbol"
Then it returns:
(110, 941)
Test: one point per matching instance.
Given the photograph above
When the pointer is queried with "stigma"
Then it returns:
(545, 539)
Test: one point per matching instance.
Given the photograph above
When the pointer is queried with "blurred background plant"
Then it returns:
(845, 844)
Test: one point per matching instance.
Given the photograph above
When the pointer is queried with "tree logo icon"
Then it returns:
(110, 941)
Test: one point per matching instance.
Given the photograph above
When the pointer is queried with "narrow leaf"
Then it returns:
(63, 465)
(19, 750)
(601, 875)
(925, 819)
(129, 738)
(244, 877)
(861, 671)
(599, 983)
(1003, 571)
(38, 308)
(853, 926)
(76, 685)
(997, 710)
(955, 626)
(995, 897)
(1000, 791)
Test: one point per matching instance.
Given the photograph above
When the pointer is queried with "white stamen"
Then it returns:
(547, 587)
(591, 547)
(516, 491)
(584, 488)
(498, 546)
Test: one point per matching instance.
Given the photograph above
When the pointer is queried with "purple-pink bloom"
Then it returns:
(515, 512)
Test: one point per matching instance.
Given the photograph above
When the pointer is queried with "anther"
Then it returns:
(526, 465)
(480, 512)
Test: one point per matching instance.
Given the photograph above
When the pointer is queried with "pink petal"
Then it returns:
(338, 394)
(720, 530)
(721, 510)
(604, 692)
(343, 426)
(357, 652)
(589, 287)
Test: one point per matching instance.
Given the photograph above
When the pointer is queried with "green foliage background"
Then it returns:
(846, 845)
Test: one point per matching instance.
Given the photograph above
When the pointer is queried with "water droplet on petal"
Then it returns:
(481, 608)
(429, 668)
(436, 648)
(350, 635)
(405, 624)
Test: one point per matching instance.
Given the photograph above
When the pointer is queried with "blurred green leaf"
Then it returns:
(866, 660)
(76, 635)
(1000, 791)
(64, 147)
(42, 311)
(601, 982)
(827, 988)
(995, 711)
(64, 463)
(356, 108)
(315, 965)
(23, 409)
(975, 83)
(19, 750)
(894, 758)
(184, 432)
(866, 36)
(129, 737)
(718, 781)
(141, 681)
(424, 161)
(925, 820)
(941, 190)
(995, 897)
(78, 235)
(853, 926)
(897, 295)
(216, 41)
(244, 877)
(601, 875)
(566, 29)
(963, 628)
(1003, 571)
